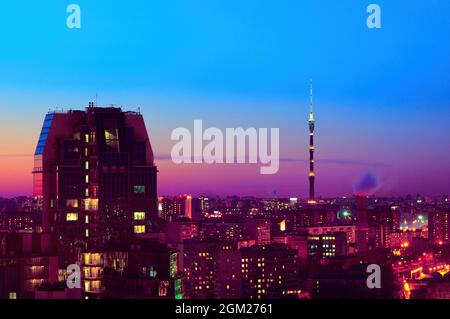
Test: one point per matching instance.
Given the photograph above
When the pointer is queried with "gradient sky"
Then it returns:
(382, 97)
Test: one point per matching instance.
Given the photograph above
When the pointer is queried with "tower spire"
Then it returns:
(311, 113)
(312, 175)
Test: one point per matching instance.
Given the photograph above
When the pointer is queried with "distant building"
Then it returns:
(173, 208)
(349, 230)
(297, 242)
(259, 230)
(327, 246)
(439, 225)
(23, 267)
(16, 221)
(258, 272)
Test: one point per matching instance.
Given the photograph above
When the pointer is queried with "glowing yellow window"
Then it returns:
(12, 295)
(139, 229)
(86, 138)
(72, 203)
(139, 215)
(70, 217)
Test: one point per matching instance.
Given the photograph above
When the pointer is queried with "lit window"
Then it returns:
(12, 295)
(163, 288)
(86, 192)
(91, 204)
(86, 179)
(86, 138)
(139, 229)
(86, 232)
(139, 215)
(86, 164)
(72, 203)
(70, 217)
(139, 189)
(86, 151)
(86, 219)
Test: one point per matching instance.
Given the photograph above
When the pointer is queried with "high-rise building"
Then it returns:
(439, 226)
(349, 230)
(188, 206)
(269, 272)
(173, 208)
(178, 231)
(389, 222)
(200, 208)
(95, 176)
(312, 175)
(299, 242)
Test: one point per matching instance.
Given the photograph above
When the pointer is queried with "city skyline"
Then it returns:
(224, 157)
(96, 228)
(381, 96)
(367, 174)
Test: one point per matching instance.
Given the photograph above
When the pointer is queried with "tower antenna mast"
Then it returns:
(312, 176)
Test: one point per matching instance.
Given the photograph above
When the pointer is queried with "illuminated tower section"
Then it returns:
(312, 175)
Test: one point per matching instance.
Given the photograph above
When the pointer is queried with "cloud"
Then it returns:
(367, 185)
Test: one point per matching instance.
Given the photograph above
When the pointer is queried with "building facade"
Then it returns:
(96, 180)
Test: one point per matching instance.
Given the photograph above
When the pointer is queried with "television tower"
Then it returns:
(312, 176)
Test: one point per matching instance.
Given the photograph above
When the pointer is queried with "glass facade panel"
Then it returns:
(44, 134)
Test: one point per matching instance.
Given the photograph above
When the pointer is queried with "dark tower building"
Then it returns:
(96, 180)
(312, 175)
(362, 223)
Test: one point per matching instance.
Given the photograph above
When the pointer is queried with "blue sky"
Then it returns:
(380, 95)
